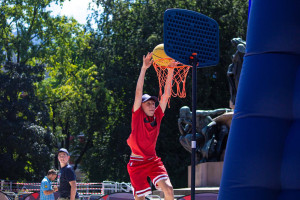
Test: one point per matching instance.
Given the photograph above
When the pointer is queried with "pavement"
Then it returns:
(180, 192)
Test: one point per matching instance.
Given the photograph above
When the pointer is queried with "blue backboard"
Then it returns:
(187, 32)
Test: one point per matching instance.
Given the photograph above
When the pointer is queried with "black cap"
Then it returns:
(147, 97)
(64, 150)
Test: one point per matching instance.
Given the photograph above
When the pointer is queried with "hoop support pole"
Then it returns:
(194, 62)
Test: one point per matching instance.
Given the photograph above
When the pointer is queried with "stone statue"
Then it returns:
(234, 69)
(211, 133)
(212, 126)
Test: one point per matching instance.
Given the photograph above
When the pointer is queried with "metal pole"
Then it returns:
(193, 61)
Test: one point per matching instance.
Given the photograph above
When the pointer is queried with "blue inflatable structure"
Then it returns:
(262, 160)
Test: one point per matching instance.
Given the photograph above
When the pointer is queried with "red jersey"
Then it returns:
(143, 137)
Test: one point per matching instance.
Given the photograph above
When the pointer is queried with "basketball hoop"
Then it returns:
(179, 77)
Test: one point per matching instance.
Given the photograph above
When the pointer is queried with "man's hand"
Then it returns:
(55, 188)
(147, 61)
(173, 64)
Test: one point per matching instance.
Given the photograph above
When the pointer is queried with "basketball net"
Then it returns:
(179, 76)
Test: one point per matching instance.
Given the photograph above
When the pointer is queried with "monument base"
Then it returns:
(207, 174)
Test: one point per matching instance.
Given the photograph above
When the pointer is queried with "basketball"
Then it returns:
(159, 55)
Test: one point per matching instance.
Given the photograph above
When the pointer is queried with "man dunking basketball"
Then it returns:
(146, 120)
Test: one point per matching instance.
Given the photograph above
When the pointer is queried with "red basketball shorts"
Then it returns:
(139, 169)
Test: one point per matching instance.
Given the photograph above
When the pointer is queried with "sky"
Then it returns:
(77, 9)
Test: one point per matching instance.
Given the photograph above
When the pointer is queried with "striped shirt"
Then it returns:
(46, 185)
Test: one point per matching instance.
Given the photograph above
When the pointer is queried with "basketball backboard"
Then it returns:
(187, 32)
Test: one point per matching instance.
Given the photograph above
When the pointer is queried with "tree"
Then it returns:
(74, 90)
(26, 29)
(26, 32)
(25, 145)
(31, 35)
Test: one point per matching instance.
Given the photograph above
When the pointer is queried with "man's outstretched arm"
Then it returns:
(168, 86)
(147, 61)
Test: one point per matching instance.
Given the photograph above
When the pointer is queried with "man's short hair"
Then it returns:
(52, 171)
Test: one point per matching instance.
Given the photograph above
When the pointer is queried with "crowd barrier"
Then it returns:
(15, 189)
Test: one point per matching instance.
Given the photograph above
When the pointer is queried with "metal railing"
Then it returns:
(85, 190)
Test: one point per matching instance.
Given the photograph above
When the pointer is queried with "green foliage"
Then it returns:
(71, 95)
(26, 29)
(25, 145)
(75, 92)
